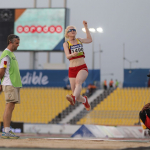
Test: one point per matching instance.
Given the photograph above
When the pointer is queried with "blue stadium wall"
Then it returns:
(53, 78)
(136, 77)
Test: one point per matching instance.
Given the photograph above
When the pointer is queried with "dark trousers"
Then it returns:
(142, 116)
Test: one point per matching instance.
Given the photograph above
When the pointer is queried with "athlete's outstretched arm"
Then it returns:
(66, 49)
(88, 38)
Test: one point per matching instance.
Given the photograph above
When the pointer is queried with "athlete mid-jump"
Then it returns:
(78, 70)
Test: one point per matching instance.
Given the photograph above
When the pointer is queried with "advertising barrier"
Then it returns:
(98, 131)
(16, 127)
(86, 131)
(40, 29)
(53, 78)
(136, 78)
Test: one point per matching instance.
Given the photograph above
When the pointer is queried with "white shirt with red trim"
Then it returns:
(5, 62)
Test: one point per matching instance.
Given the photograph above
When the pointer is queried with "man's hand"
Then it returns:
(0, 88)
(146, 107)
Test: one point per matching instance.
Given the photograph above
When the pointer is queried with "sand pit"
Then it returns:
(71, 143)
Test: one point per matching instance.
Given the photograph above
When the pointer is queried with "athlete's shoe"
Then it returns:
(148, 75)
(9, 135)
(71, 99)
(86, 104)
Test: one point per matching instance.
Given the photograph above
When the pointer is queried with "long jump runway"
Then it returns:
(52, 142)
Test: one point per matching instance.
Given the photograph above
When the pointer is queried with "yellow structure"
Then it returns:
(38, 105)
(120, 108)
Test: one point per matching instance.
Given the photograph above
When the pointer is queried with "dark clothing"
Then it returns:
(145, 117)
(149, 82)
(111, 83)
(105, 84)
(90, 90)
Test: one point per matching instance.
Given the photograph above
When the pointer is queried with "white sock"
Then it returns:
(6, 129)
(85, 100)
(75, 98)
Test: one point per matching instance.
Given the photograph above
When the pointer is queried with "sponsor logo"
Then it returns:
(32, 78)
(39, 29)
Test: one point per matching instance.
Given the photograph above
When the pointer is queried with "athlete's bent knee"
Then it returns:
(78, 84)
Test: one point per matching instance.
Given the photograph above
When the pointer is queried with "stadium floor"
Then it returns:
(140, 148)
(64, 142)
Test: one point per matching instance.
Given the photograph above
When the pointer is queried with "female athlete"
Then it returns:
(78, 70)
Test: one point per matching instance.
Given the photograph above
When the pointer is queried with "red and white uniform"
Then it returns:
(73, 71)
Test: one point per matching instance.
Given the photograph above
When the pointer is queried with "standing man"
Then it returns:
(111, 83)
(105, 84)
(116, 84)
(10, 83)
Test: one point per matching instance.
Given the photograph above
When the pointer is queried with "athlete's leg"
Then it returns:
(71, 98)
(81, 99)
(72, 83)
(80, 78)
